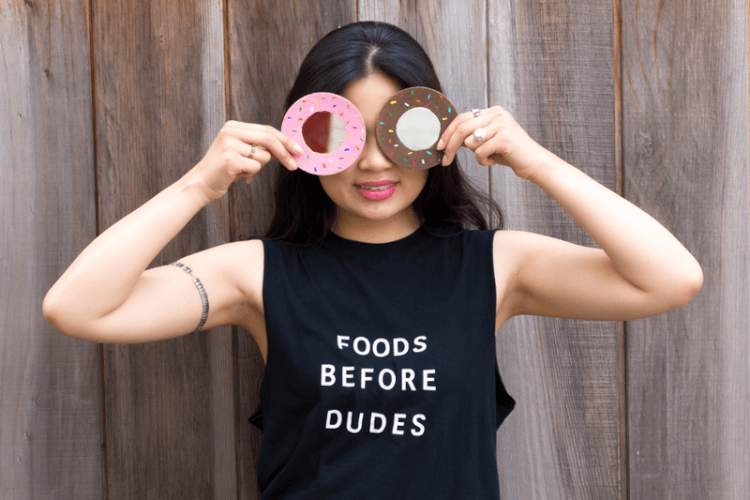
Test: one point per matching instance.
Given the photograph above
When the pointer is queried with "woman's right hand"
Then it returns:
(229, 157)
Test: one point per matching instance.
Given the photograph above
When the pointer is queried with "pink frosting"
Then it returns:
(354, 132)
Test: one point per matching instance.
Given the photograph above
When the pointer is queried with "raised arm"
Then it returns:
(640, 269)
(107, 295)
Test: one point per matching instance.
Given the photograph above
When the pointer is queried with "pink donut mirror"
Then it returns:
(329, 129)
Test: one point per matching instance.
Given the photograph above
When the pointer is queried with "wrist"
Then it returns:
(545, 169)
(194, 189)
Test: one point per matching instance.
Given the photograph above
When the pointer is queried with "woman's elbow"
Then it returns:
(687, 286)
(52, 314)
(55, 316)
(49, 311)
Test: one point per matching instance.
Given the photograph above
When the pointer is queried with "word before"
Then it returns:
(386, 378)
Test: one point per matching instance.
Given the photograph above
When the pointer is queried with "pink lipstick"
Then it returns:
(377, 191)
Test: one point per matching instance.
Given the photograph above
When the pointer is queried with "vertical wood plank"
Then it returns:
(551, 66)
(267, 42)
(50, 399)
(622, 361)
(685, 122)
(159, 86)
(454, 36)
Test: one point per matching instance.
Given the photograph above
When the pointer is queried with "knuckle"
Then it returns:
(230, 127)
(225, 161)
(224, 136)
(267, 136)
(463, 129)
(226, 157)
(222, 143)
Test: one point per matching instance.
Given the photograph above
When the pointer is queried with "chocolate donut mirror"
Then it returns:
(410, 125)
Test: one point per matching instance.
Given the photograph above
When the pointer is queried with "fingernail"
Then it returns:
(293, 164)
(298, 149)
(440, 144)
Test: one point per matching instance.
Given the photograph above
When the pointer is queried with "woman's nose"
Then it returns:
(372, 157)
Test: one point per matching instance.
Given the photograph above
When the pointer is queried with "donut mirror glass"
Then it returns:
(418, 129)
(323, 132)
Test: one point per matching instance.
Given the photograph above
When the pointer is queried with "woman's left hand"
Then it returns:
(505, 141)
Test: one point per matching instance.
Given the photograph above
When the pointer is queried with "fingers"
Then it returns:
(271, 140)
(251, 161)
(255, 152)
(446, 136)
(461, 133)
(282, 147)
(459, 120)
(487, 154)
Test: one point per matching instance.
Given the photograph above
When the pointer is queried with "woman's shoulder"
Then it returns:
(239, 249)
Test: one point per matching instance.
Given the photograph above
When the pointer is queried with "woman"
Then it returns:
(372, 303)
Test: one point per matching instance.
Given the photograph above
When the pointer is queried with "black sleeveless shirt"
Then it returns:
(381, 380)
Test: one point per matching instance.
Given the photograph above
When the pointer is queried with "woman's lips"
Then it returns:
(377, 183)
(376, 191)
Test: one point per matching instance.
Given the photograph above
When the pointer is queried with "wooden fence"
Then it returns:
(105, 103)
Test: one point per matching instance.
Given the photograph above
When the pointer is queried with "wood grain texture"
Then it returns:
(551, 66)
(267, 42)
(50, 399)
(159, 87)
(454, 35)
(685, 133)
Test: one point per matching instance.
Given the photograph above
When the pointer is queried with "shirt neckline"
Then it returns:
(335, 241)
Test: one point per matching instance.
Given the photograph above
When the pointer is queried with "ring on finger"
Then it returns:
(480, 134)
(252, 153)
(476, 112)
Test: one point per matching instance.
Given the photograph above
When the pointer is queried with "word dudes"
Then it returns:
(377, 422)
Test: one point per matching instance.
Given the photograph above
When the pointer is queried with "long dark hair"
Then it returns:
(303, 211)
